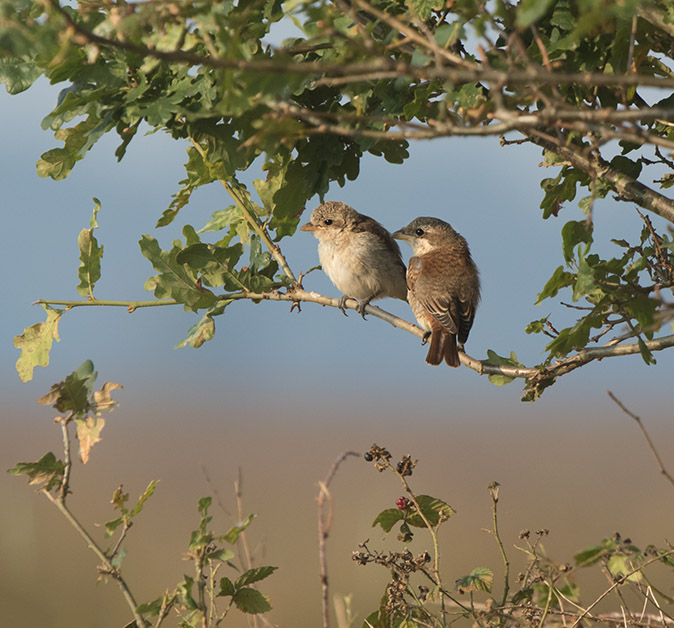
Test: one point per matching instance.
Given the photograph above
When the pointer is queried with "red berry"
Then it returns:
(402, 503)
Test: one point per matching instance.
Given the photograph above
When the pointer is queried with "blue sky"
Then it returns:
(488, 193)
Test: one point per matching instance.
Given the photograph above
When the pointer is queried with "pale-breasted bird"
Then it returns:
(443, 286)
(358, 255)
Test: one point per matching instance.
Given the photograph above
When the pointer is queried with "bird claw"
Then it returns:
(424, 340)
(360, 308)
(342, 305)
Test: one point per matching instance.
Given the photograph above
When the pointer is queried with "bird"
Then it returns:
(358, 254)
(443, 286)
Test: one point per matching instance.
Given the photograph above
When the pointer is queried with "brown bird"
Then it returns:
(358, 255)
(443, 286)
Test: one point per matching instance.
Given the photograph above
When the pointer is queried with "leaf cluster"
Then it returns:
(355, 79)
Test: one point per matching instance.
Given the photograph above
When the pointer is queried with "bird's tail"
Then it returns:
(443, 345)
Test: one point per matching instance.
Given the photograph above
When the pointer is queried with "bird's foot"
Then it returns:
(342, 305)
(424, 340)
(360, 308)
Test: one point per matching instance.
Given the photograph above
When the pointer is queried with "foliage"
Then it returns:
(546, 594)
(194, 598)
(367, 77)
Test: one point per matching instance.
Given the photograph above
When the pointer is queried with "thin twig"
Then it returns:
(622, 579)
(242, 203)
(324, 526)
(661, 466)
(107, 565)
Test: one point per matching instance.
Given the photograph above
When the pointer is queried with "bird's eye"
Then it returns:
(327, 221)
(419, 232)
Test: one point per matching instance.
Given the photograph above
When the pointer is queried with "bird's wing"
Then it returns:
(443, 309)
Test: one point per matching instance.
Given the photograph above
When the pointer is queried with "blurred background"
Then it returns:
(277, 396)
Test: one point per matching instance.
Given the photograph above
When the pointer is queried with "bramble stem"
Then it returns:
(493, 492)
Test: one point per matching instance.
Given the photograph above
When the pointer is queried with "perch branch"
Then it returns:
(299, 295)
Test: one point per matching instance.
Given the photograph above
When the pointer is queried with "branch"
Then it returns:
(444, 73)
(324, 526)
(661, 466)
(585, 121)
(629, 188)
(59, 502)
(622, 579)
(299, 295)
(251, 219)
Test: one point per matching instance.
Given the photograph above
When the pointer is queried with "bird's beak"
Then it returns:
(400, 235)
(308, 227)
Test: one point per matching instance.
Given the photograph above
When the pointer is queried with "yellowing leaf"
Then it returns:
(35, 343)
(102, 399)
(88, 431)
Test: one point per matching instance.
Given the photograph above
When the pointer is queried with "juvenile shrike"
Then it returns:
(358, 255)
(443, 286)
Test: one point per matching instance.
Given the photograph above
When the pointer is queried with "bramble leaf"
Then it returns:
(480, 579)
(251, 601)
(435, 510)
(254, 575)
(388, 518)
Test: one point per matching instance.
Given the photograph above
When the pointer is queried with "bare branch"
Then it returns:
(324, 525)
(661, 466)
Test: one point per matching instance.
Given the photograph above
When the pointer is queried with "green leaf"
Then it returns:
(254, 575)
(151, 608)
(147, 493)
(646, 354)
(58, 162)
(626, 166)
(435, 510)
(222, 555)
(560, 279)
(586, 281)
(573, 233)
(35, 343)
(232, 535)
(47, 470)
(388, 518)
(480, 579)
(251, 601)
(118, 558)
(590, 555)
(494, 359)
(91, 253)
(215, 264)
(621, 565)
(18, 74)
(112, 525)
(536, 327)
(528, 11)
(72, 394)
(174, 281)
(422, 8)
(226, 587)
